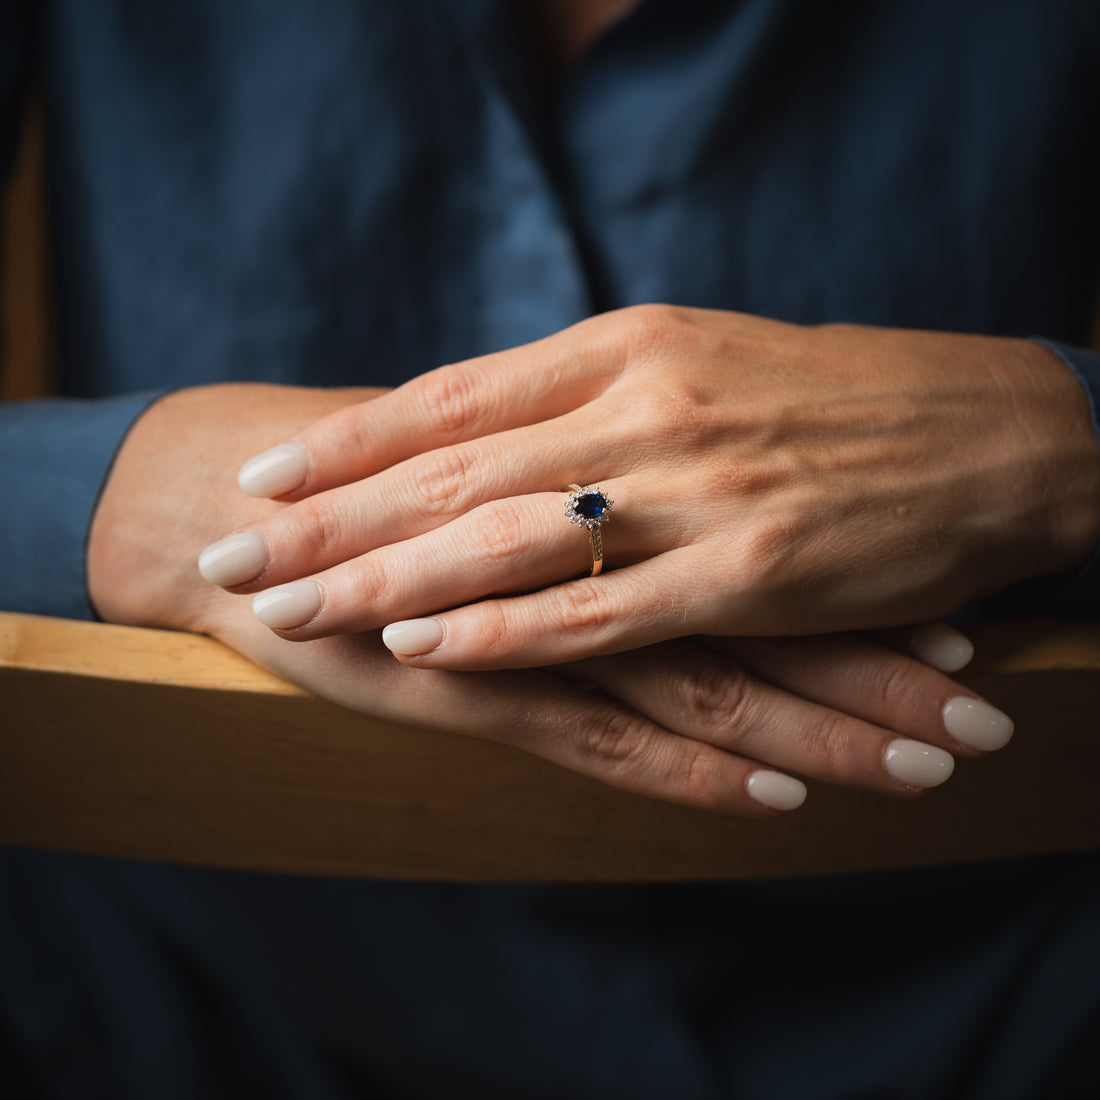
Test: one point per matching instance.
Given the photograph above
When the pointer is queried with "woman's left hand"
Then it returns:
(767, 479)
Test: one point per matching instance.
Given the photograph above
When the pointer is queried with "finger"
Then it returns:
(611, 742)
(545, 715)
(416, 496)
(853, 674)
(650, 601)
(501, 547)
(703, 694)
(936, 644)
(495, 548)
(463, 401)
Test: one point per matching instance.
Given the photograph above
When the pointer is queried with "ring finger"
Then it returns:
(502, 547)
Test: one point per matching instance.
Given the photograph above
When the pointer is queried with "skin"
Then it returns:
(915, 473)
(688, 721)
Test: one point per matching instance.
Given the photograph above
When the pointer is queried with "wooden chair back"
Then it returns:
(164, 746)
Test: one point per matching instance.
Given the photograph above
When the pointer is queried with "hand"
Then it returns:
(768, 479)
(828, 707)
(714, 727)
(705, 723)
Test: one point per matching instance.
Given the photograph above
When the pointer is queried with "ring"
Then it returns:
(588, 507)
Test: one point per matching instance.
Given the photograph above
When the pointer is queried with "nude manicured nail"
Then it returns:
(274, 472)
(974, 723)
(916, 764)
(941, 646)
(234, 560)
(289, 605)
(413, 636)
(776, 790)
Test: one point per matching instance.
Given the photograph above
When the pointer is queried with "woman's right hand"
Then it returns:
(710, 723)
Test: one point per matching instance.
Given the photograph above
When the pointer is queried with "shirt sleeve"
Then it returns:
(1080, 593)
(1075, 594)
(55, 456)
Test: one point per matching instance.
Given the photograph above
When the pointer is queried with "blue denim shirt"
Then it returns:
(355, 191)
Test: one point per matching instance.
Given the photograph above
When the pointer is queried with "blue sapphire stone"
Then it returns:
(590, 506)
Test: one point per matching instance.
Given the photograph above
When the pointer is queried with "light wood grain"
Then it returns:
(190, 754)
(122, 653)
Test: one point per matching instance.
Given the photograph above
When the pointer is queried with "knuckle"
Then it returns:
(615, 742)
(898, 688)
(442, 479)
(495, 629)
(686, 408)
(349, 432)
(497, 531)
(717, 695)
(668, 401)
(622, 749)
(768, 553)
(830, 741)
(453, 399)
(697, 778)
(653, 329)
(766, 547)
(317, 530)
(585, 606)
(674, 412)
(370, 585)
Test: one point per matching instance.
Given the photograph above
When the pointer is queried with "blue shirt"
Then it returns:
(347, 191)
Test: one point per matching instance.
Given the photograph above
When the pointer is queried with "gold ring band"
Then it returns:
(588, 507)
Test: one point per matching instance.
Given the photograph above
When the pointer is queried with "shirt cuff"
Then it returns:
(1071, 594)
(56, 455)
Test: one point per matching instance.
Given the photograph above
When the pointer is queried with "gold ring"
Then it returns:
(588, 507)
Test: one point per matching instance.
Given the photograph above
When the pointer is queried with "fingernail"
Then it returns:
(234, 560)
(974, 723)
(289, 605)
(413, 636)
(941, 646)
(275, 471)
(916, 764)
(776, 790)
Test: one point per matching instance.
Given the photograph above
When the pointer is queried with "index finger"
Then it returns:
(462, 401)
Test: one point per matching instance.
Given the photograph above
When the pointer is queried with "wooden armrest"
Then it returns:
(156, 745)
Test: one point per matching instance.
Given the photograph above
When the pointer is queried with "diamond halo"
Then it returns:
(587, 506)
